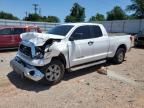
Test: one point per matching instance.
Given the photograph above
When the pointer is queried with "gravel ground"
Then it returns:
(81, 89)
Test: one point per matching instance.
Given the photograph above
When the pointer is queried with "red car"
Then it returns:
(10, 35)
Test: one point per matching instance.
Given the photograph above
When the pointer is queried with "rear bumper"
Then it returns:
(26, 70)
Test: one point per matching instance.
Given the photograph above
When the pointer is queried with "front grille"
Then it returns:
(25, 50)
(20, 61)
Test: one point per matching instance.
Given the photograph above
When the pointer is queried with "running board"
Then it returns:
(87, 65)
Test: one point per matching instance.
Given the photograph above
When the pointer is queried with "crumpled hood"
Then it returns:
(39, 39)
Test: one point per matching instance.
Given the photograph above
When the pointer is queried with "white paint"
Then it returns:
(38, 39)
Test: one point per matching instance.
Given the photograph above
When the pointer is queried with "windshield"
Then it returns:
(60, 30)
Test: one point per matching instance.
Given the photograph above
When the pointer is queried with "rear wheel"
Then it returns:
(119, 56)
(53, 72)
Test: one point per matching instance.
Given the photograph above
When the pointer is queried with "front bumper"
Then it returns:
(26, 70)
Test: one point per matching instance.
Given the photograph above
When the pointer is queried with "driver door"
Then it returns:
(80, 46)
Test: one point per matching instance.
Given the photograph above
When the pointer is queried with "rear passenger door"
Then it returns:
(101, 43)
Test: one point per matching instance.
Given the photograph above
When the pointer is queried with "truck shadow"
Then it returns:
(25, 84)
(8, 50)
(29, 85)
(71, 75)
(78, 73)
(139, 47)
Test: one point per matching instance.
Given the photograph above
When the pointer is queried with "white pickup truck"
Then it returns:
(73, 46)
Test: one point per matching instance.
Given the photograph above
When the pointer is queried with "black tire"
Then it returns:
(46, 80)
(119, 56)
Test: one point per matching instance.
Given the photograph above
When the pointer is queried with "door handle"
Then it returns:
(90, 42)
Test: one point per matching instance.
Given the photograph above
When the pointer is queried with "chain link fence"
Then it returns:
(119, 26)
(123, 26)
(43, 25)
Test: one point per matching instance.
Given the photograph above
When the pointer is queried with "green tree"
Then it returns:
(92, 18)
(33, 17)
(131, 17)
(36, 17)
(52, 19)
(98, 17)
(117, 13)
(77, 14)
(137, 7)
(4, 15)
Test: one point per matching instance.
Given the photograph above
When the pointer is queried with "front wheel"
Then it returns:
(119, 56)
(53, 72)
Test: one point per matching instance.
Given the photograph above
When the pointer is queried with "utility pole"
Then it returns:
(35, 8)
(26, 14)
(40, 11)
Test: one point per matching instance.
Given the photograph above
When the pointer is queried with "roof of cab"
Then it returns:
(80, 24)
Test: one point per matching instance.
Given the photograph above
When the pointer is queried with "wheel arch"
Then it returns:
(62, 58)
(115, 58)
(122, 46)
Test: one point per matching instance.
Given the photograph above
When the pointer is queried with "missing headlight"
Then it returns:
(39, 53)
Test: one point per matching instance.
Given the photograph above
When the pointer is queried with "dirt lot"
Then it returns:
(123, 87)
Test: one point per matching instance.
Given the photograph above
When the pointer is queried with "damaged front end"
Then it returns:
(32, 54)
(46, 49)
(26, 70)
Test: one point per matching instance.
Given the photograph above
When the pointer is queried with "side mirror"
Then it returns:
(71, 38)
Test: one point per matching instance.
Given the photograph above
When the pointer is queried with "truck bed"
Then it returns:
(117, 34)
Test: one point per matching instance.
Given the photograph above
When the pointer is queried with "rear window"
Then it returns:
(18, 30)
(5, 31)
(32, 30)
(96, 31)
